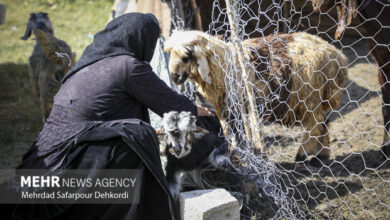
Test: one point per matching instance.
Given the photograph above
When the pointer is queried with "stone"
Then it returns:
(213, 204)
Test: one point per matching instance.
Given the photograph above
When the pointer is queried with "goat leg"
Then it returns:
(323, 150)
(311, 137)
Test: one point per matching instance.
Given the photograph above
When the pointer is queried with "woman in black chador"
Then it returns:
(98, 121)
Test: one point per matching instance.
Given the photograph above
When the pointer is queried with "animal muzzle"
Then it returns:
(179, 79)
(176, 151)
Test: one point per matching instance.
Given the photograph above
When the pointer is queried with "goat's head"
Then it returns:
(38, 21)
(188, 57)
(181, 131)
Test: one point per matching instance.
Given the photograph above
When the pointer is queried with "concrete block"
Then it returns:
(213, 204)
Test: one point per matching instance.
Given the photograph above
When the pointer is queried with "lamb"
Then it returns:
(50, 60)
(190, 147)
(306, 72)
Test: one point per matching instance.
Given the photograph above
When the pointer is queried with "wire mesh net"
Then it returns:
(304, 103)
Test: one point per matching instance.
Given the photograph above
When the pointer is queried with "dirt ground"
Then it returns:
(355, 183)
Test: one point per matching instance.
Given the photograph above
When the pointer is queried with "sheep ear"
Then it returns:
(203, 69)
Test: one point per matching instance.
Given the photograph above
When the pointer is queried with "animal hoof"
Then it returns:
(300, 158)
(385, 151)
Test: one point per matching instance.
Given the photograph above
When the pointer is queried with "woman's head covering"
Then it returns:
(133, 34)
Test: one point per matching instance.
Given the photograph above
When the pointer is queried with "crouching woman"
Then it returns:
(99, 120)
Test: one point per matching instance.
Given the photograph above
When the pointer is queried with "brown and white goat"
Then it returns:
(306, 72)
(50, 60)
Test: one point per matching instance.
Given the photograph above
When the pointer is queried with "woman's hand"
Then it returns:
(204, 111)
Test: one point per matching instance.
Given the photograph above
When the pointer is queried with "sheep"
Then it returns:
(50, 60)
(306, 72)
(190, 147)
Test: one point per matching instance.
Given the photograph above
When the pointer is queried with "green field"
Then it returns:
(75, 21)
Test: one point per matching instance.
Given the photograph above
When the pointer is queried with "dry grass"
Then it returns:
(20, 118)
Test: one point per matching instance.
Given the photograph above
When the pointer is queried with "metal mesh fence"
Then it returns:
(304, 102)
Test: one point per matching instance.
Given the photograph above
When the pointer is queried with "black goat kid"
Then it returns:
(190, 147)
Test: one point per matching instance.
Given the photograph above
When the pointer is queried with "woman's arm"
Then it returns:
(145, 86)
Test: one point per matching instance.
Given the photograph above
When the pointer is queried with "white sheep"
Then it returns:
(305, 72)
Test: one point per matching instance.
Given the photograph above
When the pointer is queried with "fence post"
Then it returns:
(198, 18)
(254, 136)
